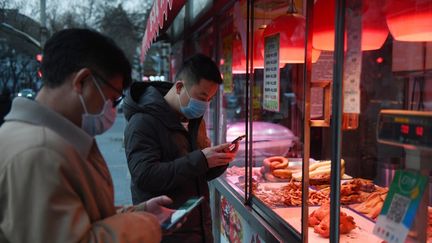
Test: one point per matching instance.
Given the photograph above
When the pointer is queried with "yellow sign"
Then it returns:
(226, 63)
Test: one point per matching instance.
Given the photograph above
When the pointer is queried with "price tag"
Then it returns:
(400, 206)
(353, 58)
(271, 74)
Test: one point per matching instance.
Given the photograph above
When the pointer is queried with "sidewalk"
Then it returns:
(111, 146)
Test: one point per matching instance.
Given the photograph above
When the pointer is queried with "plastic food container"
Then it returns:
(268, 139)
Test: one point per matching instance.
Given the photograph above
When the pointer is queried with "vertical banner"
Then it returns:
(271, 101)
(226, 63)
(353, 59)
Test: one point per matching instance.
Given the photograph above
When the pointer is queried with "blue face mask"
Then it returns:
(196, 108)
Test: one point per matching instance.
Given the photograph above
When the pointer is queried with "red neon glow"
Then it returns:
(410, 20)
(291, 28)
(404, 129)
(419, 131)
(380, 60)
(374, 29)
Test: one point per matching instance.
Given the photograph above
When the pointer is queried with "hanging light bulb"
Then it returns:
(291, 28)
(410, 20)
(374, 30)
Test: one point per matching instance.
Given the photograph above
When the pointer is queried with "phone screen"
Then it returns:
(181, 212)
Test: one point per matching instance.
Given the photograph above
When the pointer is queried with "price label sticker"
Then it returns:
(271, 86)
(400, 206)
(353, 59)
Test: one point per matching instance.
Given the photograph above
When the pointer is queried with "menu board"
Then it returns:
(271, 88)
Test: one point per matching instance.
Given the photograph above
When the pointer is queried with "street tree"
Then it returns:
(126, 29)
(18, 48)
(18, 70)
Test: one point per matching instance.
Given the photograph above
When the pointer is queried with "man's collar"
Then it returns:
(29, 111)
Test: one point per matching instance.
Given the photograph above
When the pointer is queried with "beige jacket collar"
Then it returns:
(29, 111)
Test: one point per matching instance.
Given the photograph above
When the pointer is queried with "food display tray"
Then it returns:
(362, 233)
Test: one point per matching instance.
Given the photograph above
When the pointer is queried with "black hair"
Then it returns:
(199, 67)
(70, 50)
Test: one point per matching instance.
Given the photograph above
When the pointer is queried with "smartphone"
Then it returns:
(233, 143)
(181, 213)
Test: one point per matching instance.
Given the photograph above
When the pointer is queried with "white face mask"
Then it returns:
(95, 124)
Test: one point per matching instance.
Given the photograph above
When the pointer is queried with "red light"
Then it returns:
(291, 28)
(379, 60)
(419, 131)
(373, 31)
(410, 20)
(404, 129)
(39, 73)
(39, 57)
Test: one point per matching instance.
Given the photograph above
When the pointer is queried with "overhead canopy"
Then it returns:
(160, 17)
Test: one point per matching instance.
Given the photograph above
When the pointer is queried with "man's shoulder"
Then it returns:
(18, 137)
(143, 120)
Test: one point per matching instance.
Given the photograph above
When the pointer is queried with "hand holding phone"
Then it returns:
(181, 213)
(157, 207)
(235, 141)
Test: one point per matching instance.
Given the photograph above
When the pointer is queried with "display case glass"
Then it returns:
(323, 107)
(233, 117)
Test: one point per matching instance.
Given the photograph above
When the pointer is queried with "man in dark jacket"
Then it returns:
(167, 147)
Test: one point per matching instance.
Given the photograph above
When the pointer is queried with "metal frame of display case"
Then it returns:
(269, 229)
(336, 125)
(264, 220)
(278, 224)
(269, 225)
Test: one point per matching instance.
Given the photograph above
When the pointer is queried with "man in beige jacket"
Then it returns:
(54, 183)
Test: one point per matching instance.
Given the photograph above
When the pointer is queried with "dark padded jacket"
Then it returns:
(166, 159)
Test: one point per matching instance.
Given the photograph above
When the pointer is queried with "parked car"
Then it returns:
(27, 93)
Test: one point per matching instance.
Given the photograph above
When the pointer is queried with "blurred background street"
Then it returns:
(111, 146)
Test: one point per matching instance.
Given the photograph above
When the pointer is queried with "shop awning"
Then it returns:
(160, 17)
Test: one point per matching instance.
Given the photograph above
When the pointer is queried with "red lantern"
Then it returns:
(410, 20)
(374, 29)
(258, 56)
(291, 27)
(238, 57)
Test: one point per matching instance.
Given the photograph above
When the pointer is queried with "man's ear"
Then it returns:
(179, 84)
(80, 79)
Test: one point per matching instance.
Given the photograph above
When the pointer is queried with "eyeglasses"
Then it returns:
(99, 78)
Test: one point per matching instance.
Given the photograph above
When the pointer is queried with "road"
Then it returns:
(111, 146)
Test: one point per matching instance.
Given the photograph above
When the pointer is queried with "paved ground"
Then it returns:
(111, 146)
